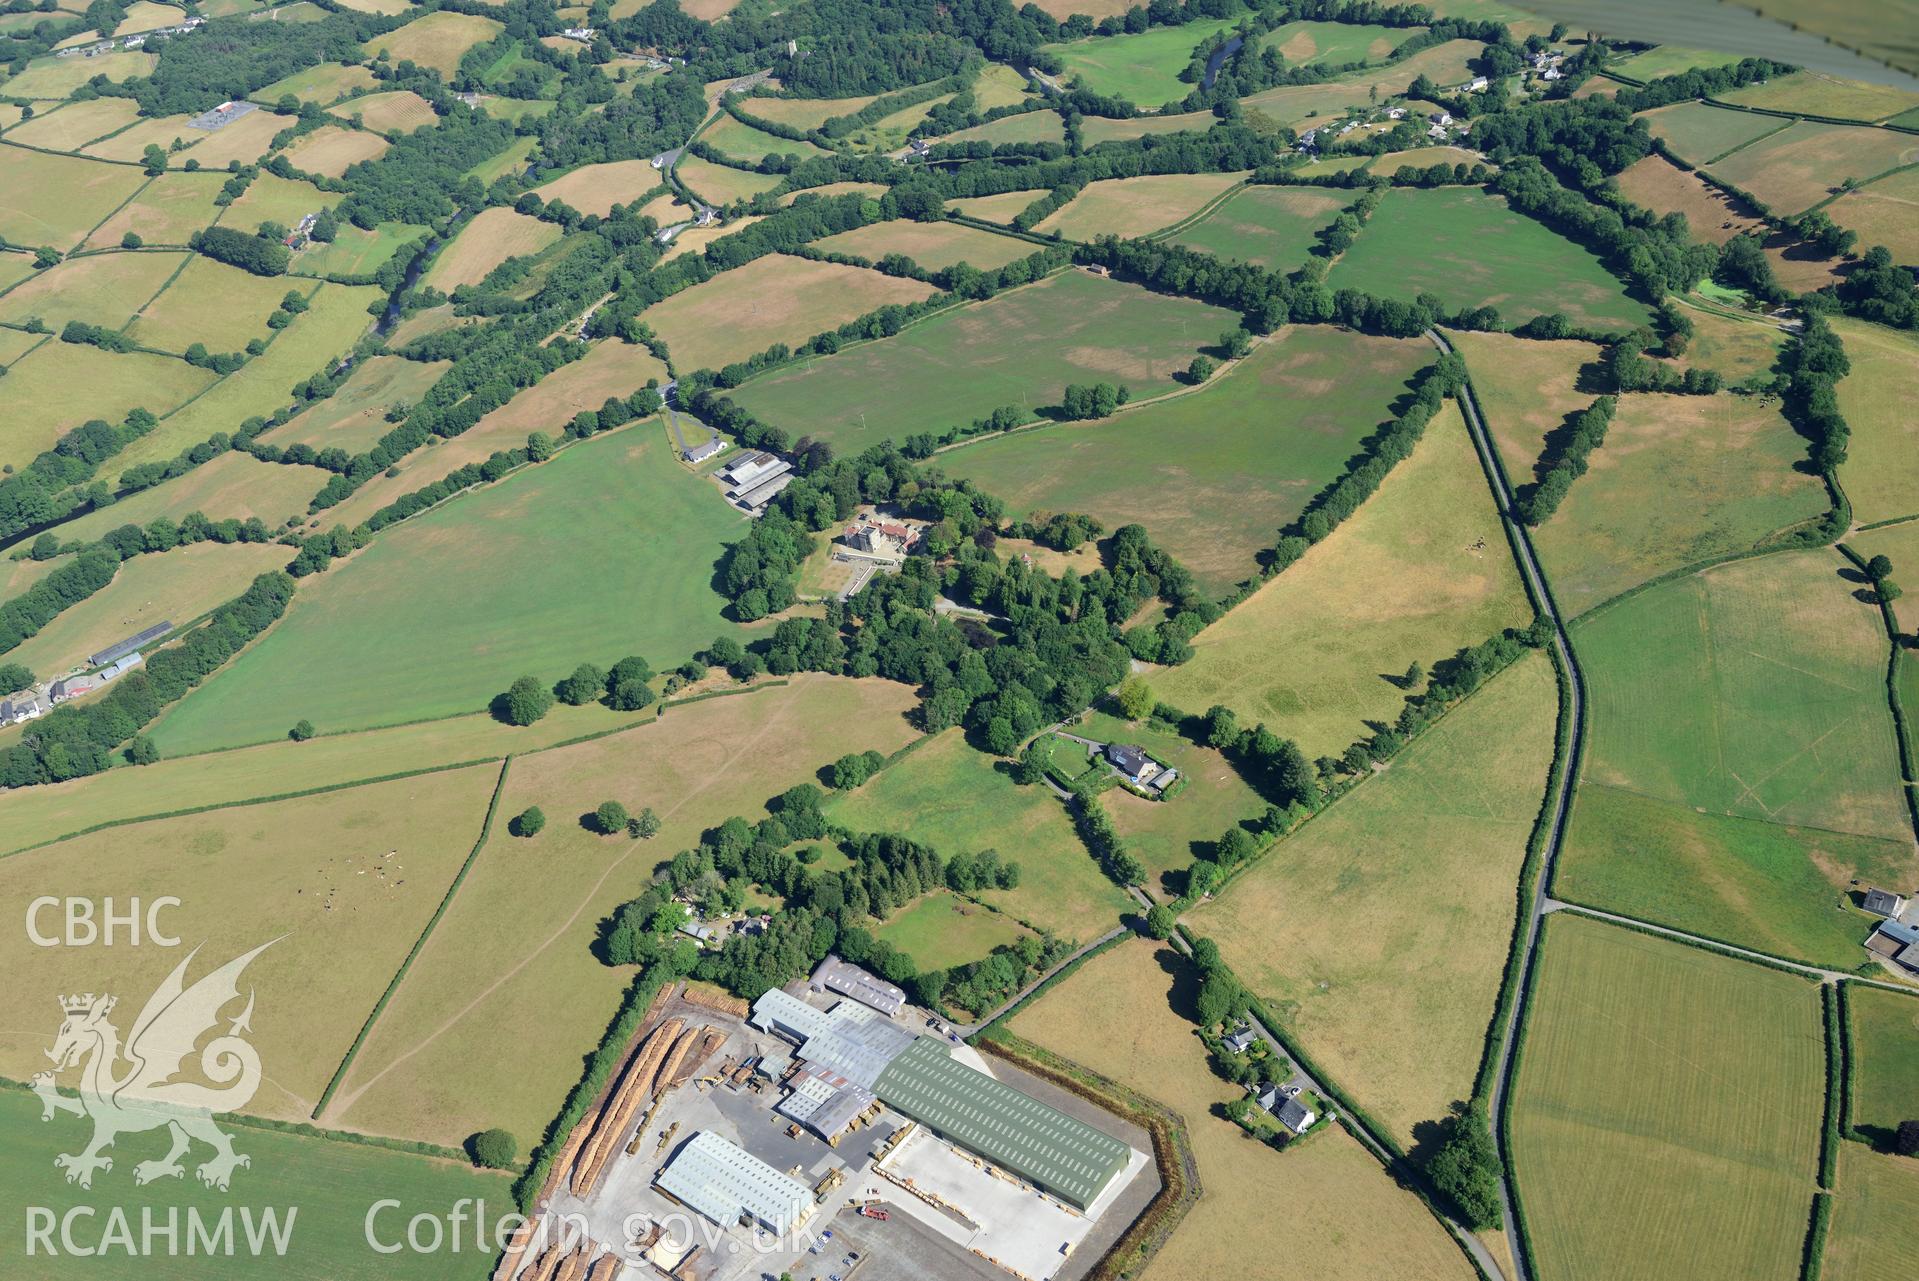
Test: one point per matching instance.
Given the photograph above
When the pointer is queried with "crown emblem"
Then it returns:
(77, 1004)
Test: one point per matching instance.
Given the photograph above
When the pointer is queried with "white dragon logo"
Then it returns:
(144, 1096)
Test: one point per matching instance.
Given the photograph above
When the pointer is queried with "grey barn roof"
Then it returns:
(130, 644)
(722, 1180)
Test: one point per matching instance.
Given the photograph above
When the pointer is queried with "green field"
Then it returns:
(1875, 1217)
(1421, 570)
(1771, 887)
(1670, 60)
(61, 385)
(480, 579)
(1755, 689)
(165, 212)
(1213, 475)
(1881, 471)
(1378, 934)
(956, 799)
(57, 200)
(1823, 95)
(1701, 134)
(332, 1185)
(355, 252)
(1469, 250)
(1884, 1029)
(1306, 44)
(1799, 167)
(942, 930)
(212, 303)
(1680, 479)
(233, 486)
(354, 417)
(1029, 126)
(1021, 348)
(1143, 68)
(100, 289)
(1272, 227)
(934, 246)
(325, 84)
(746, 145)
(1665, 1115)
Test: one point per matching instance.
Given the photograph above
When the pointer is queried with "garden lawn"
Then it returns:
(1666, 1111)
(1127, 1014)
(941, 930)
(478, 579)
(1470, 250)
(57, 200)
(1771, 887)
(1020, 348)
(1799, 167)
(1271, 227)
(1875, 1216)
(1884, 1031)
(333, 1184)
(773, 299)
(1389, 979)
(176, 586)
(1420, 571)
(1755, 689)
(528, 914)
(1213, 475)
(935, 246)
(345, 882)
(958, 800)
(1680, 479)
(1881, 471)
(354, 417)
(1128, 207)
(1143, 67)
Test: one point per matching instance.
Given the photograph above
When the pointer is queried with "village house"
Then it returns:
(1239, 1042)
(1139, 769)
(583, 34)
(71, 687)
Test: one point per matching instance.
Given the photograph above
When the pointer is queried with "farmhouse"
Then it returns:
(700, 453)
(1294, 1115)
(1884, 903)
(72, 687)
(835, 975)
(728, 1184)
(1136, 767)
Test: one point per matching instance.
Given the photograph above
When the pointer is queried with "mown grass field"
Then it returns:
(332, 1183)
(354, 417)
(1020, 348)
(131, 143)
(176, 586)
(1126, 1014)
(741, 142)
(1680, 479)
(941, 930)
(1216, 474)
(1142, 67)
(1875, 1217)
(1469, 249)
(1799, 167)
(234, 485)
(329, 151)
(953, 797)
(1379, 933)
(71, 126)
(1665, 1118)
(773, 299)
(437, 40)
(1128, 207)
(1701, 134)
(438, 586)
(1772, 887)
(1737, 349)
(1526, 389)
(356, 253)
(1001, 208)
(720, 184)
(1881, 472)
(1421, 570)
(1307, 44)
(272, 198)
(595, 189)
(1823, 95)
(167, 211)
(397, 111)
(345, 881)
(100, 289)
(212, 303)
(57, 200)
(42, 404)
(325, 84)
(1755, 689)
(430, 1068)
(1670, 60)
(1884, 1032)
(1030, 126)
(933, 245)
(493, 236)
(1272, 227)
(1882, 214)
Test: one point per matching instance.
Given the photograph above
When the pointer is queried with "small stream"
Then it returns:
(1214, 63)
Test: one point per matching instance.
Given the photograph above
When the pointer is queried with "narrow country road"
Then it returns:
(1562, 788)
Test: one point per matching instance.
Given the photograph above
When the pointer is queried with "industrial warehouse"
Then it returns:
(820, 1130)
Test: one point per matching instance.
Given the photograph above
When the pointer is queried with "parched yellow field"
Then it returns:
(595, 189)
(324, 84)
(71, 126)
(772, 299)
(101, 289)
(43, 405)
(246, 140)
(1526, 388)
(1423, 158)
(1665, 1117)
(1001, 208)
(345, 881)
(57, 200)
(1126, 1015)
(59, 77)
(329, 151)
(1881, 472)
(438, 40)
(1798, 167)
(873, 189)
(1389, 978)
(527, 916)
(1128, 207)
(354, 417)
(1419, 571)
(132, 143)
(493, 236)
(233, 486)
(398, 111)
(1884, 213)
(933, 245)
(720, 185)
(145, 15)
(212, 303)
(804, 113)
(176, 587)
